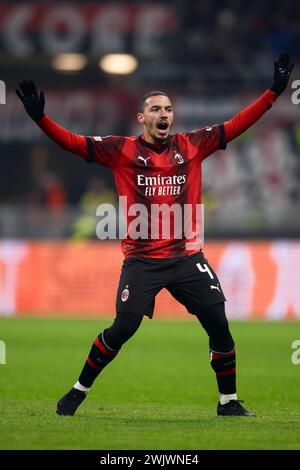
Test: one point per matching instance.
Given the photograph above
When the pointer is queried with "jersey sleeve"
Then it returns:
(74, 143)
(207, 140)
(105, 150)
(249, 115)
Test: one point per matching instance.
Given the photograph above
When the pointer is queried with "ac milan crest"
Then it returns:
(125, 295)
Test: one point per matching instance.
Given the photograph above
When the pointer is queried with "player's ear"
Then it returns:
(140, 118)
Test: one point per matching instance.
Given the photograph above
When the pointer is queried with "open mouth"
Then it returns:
(162, 125)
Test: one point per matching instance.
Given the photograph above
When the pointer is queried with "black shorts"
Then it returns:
(189, 279)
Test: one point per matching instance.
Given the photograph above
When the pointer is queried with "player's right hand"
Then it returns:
(33, 102)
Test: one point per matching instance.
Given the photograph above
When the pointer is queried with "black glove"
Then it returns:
(282, 72)
(33, 103)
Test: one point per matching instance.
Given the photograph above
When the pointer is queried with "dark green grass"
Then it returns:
(159, 393)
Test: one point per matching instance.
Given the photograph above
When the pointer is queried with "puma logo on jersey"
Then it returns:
(216, 287)
(208, 129)
(144, 159)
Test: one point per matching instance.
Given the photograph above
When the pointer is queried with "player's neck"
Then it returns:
(150, 141)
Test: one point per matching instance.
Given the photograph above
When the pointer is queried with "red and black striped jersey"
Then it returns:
(150, 176)
(159, 177)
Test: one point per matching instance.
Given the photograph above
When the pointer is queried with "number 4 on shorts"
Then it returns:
(205, 269)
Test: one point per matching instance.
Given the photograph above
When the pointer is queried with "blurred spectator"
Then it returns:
(49, 193)
(97, 193)
(47, 204)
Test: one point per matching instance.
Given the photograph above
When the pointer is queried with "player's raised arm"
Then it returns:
(34, 105)
(249, 115)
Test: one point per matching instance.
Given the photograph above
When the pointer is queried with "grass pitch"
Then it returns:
(159, 393)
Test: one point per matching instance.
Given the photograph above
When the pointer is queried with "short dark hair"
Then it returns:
(147, 95)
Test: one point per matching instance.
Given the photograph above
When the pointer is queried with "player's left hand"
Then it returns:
(282, 71)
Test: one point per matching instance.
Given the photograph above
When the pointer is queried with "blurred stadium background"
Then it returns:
(213, 58)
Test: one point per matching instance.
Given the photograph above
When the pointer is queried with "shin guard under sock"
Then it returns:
(100, 355)
(224, 366)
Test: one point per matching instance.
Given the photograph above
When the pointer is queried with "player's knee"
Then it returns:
(122, 329)
(223, 344)
(214, 320)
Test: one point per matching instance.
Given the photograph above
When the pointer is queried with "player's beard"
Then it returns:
(160, 140)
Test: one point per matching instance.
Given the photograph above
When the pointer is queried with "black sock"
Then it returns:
(108, 344)
(100, 355)
(224, 366)
(214, 321)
